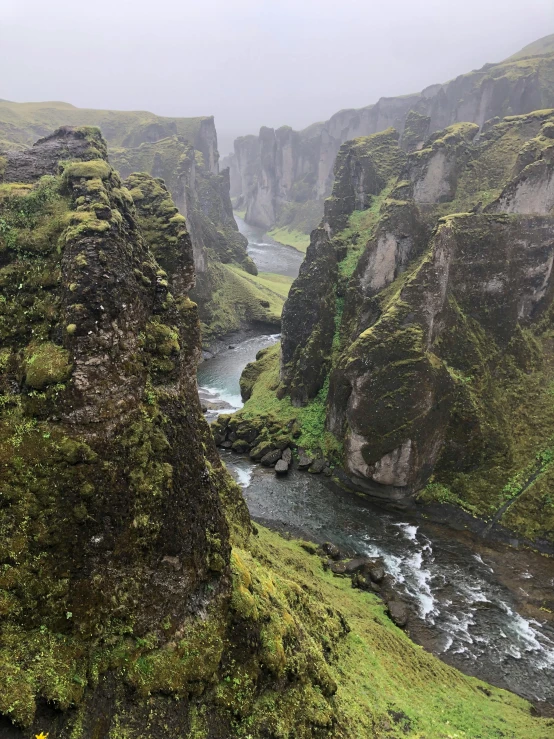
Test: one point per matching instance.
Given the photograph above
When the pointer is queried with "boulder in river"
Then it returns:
(281, 468)
(357, 564)
(317, 466)
(377, 572)
(240, 446)
(304, 461)
(259, 451)
(269, 459)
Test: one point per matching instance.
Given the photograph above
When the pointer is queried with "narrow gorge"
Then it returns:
(277, 432)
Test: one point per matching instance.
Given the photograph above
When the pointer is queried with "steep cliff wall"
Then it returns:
(418, 330)
(280, 175)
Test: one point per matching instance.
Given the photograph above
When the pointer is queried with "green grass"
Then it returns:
(279, 284)
(239, 297)
(387, 685)
(24, 123)
(294, 238)
(264, 404)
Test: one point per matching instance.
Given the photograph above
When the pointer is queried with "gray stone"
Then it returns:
(377, 573)
(269, 459)
(317, 466)
(281, 468)
(287, 456)
(304, 461)
(398, 612)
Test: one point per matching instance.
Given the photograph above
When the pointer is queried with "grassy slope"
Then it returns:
(387, 685)
(294, 238)
(23, 123)
(239, 296)
(544, 45)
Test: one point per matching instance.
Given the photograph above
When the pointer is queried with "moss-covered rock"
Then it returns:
(419, 322)
(46, 364)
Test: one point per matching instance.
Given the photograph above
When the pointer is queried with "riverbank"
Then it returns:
(483, 608)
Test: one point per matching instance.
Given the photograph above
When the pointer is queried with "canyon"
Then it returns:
(394, 580)
(281, 177)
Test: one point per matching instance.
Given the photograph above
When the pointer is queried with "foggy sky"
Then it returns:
(251, 62)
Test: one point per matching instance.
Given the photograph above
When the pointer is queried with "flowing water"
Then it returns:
(468, 600)
(268, 254)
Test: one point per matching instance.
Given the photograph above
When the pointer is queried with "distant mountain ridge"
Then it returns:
(281, 177)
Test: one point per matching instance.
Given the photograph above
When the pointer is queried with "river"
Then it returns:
(477, 606)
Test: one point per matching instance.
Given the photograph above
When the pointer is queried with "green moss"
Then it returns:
(96, 169)
(46, 364)
(278, 418)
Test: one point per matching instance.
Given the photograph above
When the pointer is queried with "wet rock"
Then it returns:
(232, 346)
(328, 472)
(247, 432)
(261, 450)
(204, 408)
(219, 438)
(338, 568)
(172, 562)
(226, 444)
(331, 550)
(287, 456)
(317, 466)
(232, 436)
(357, 564)
(240, 446)
(398, 612)
(304, 461)
(377, 573)
(281, 468)
(269, 459)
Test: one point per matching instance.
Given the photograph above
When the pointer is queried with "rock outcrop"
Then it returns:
(183, 152)
(281, 176)
(420, 318)
(117, 583)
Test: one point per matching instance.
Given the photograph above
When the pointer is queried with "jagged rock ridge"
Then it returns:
(280, 176)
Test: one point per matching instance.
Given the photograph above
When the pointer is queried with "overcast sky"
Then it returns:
(251, 62)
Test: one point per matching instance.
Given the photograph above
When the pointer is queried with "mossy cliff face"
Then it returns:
(122, 610)
(202, 197)
(280, 177)
(421, 317)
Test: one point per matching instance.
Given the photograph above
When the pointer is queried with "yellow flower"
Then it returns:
(42, 735)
